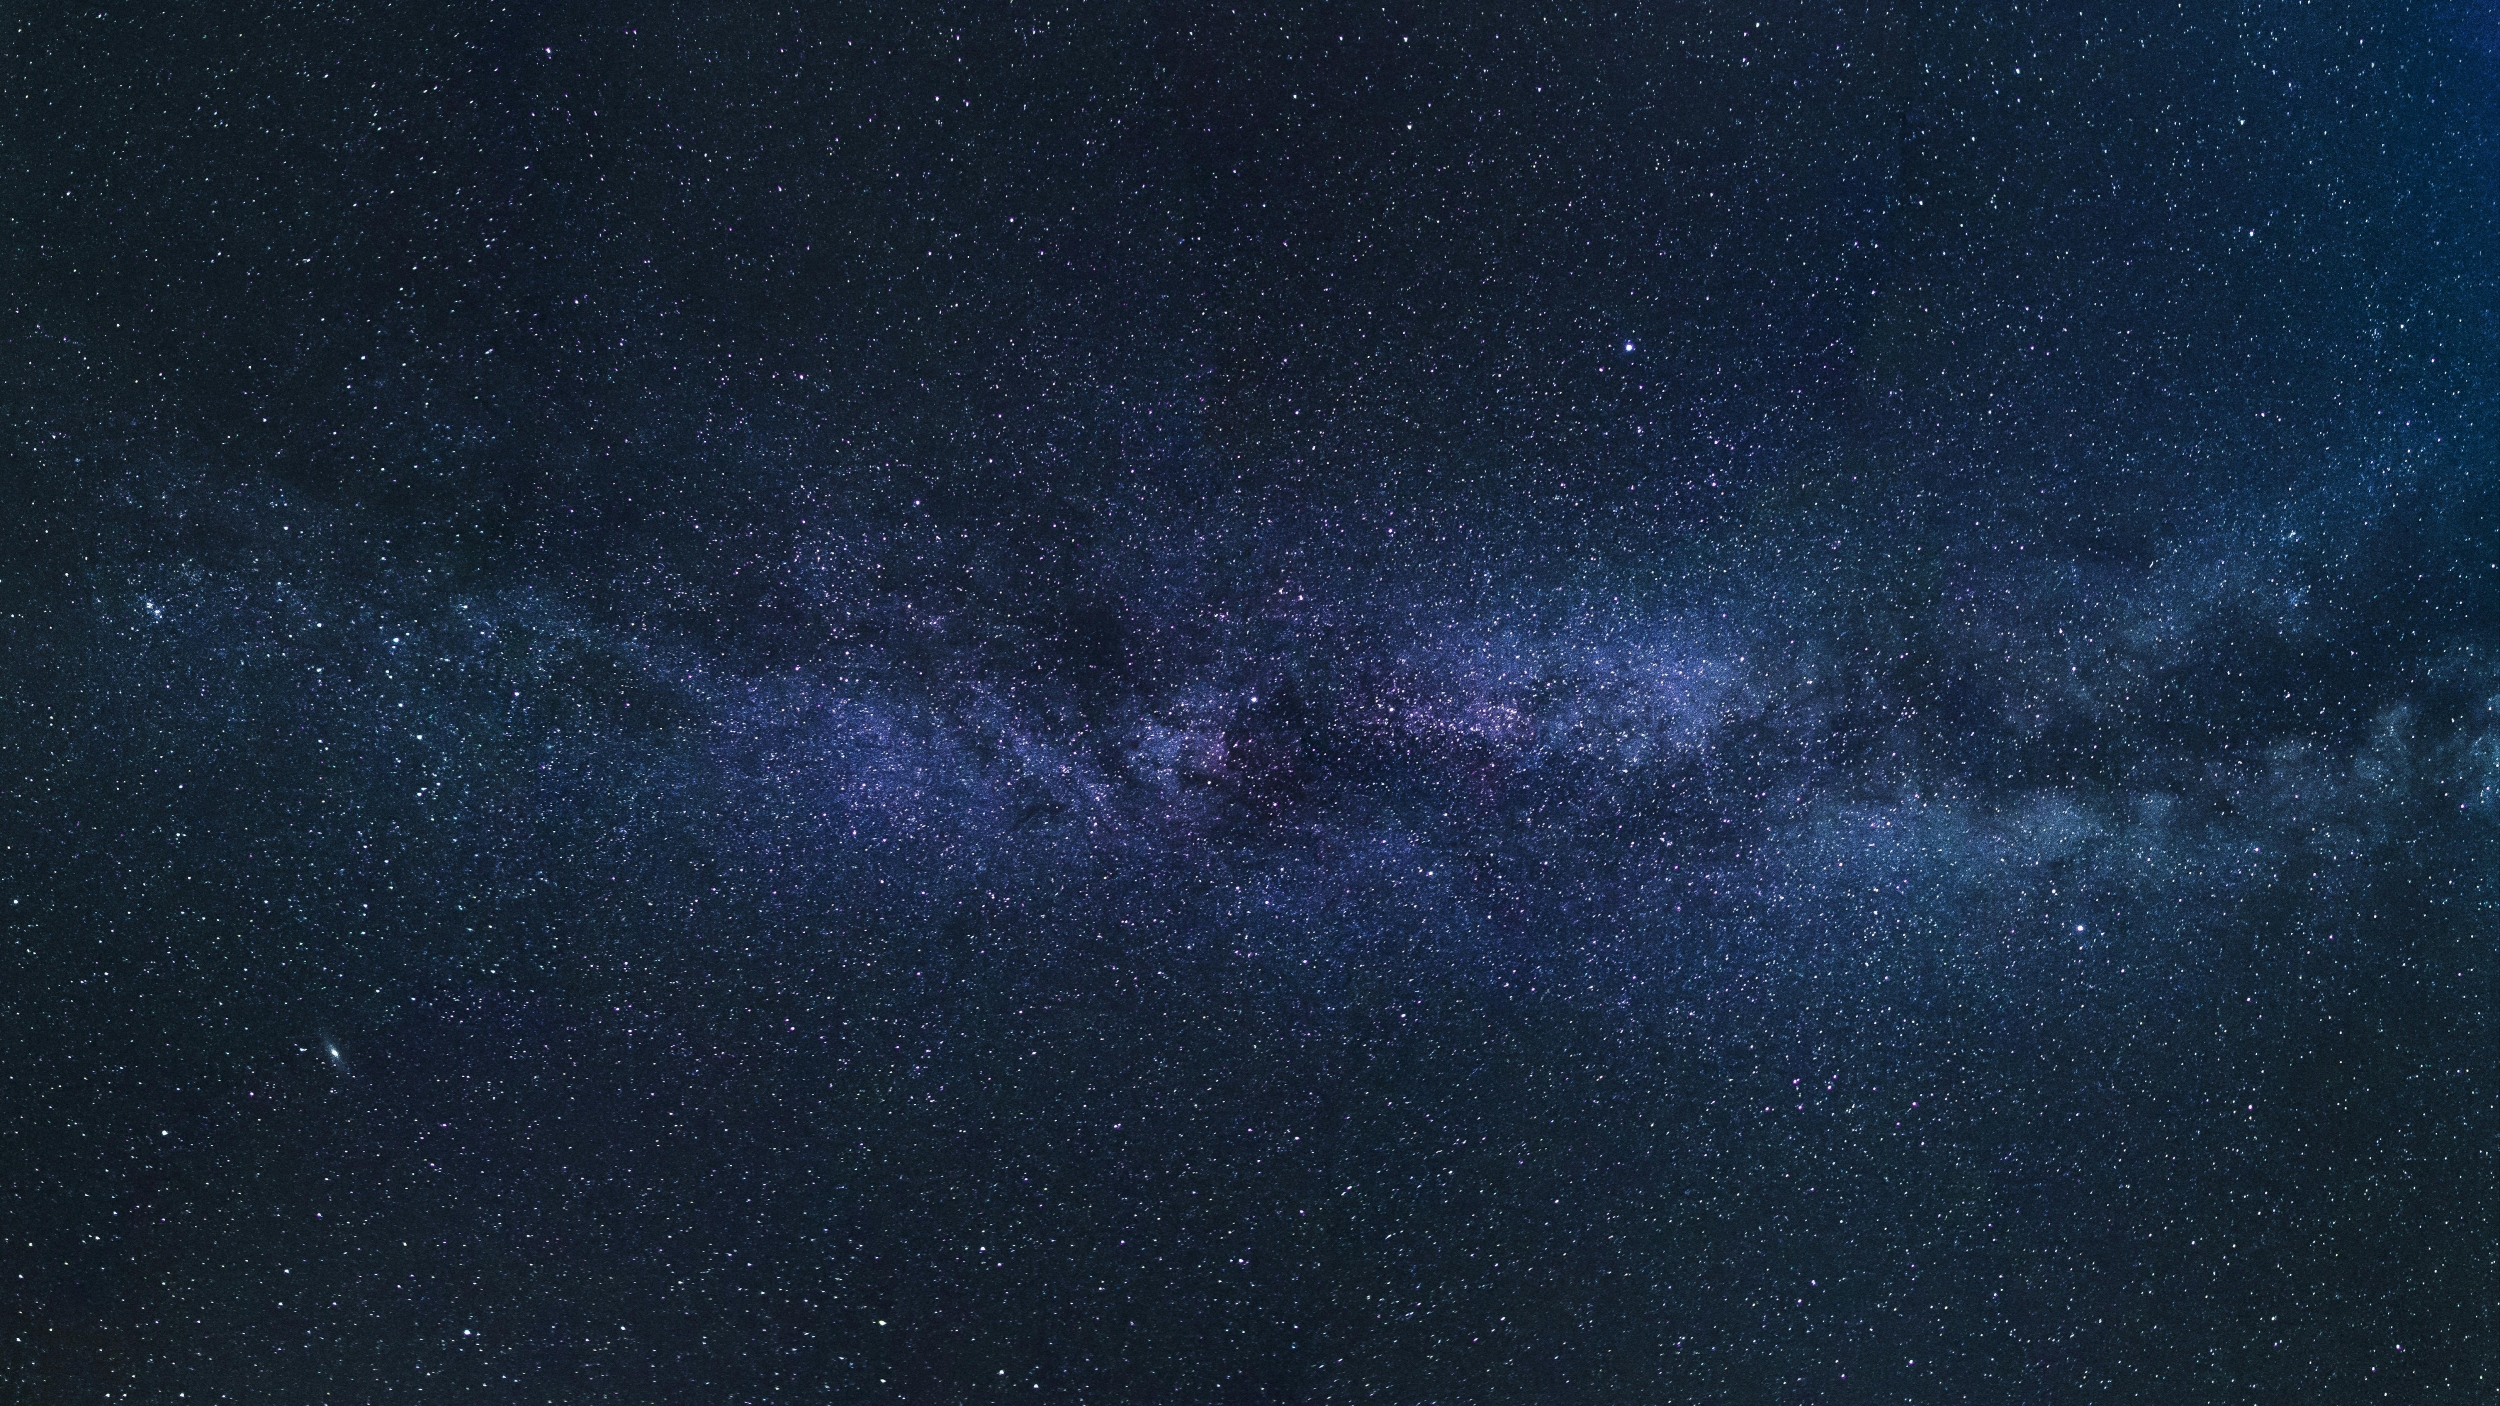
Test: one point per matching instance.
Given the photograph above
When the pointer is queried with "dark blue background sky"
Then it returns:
(1170, 703)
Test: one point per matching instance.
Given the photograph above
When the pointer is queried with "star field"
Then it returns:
(1397, 704)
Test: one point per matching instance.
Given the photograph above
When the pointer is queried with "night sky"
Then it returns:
(1180, 703)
